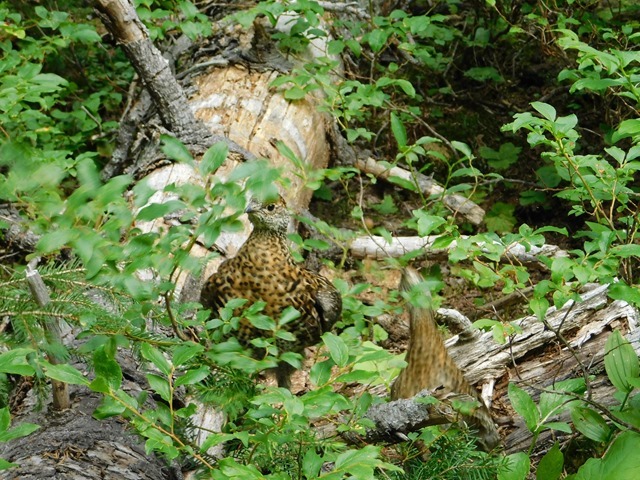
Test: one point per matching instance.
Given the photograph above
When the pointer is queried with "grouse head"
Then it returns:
(270, 216)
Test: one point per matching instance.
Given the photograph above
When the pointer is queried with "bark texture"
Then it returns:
(72, 445)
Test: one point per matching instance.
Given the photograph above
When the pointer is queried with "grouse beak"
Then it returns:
(252, 206)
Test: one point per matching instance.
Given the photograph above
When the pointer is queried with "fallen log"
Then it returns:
(454, 202)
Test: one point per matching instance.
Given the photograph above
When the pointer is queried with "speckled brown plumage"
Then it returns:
(263, 270)
(430, 366)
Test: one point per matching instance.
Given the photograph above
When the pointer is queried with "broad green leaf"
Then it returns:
(193, 376)
(551, 403)
(5, 419)
(427, 224)
(64, 373)
(19, 431)
(560, 426)
(185, 352)
(15, 362)
(524, 405)
(620, 291)
(337, 348)
(377, 39)
(591, 424)
(100, 385)
(620, 361)
(290, 314)
(551, 465)
(175, 150)
(620, 462)
(107, 369)
(321, 372)
(406, 87)
(627, 128)
(53, 241)
(108, 408)
(160, 385)
(232, 470)
(214, 439)
(294, 93)
(626, 251)
(158, 210)
(544, 109)
(399, 132)
(213, 158)
(516, 467)
(539, 307)
(311, 464)
(156, 357)
(4, 465)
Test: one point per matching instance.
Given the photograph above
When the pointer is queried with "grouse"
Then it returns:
(430, 366)
(264, 270)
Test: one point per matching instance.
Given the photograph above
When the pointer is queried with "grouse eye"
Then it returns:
(271, 207)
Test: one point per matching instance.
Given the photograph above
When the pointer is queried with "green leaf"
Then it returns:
(321, 372)
(406, 87)
(560, 426)
(232, 470)
(311, 464)
(515, 467)
(550, 466)
(406, 184)
(626, 251)
(539, 307)
(214, 439)
(19, 431)
(546, 110)
(294, 93)
(5, 419)
(620, 362)
(175, 150)
(100, 385)
(159, 210)
(288, 315)
(500, 218)
(185, 352)
(106, 369)
(337, 348)
(53, 241)
(160, 385)
(213, 158)
(620, 291)
(427, 224)
(84, 33)
(156, 357)
(108, 408)
(591, 424)
(193, 376)
(484, 74)
(64, 373)
(399, 132)
(4, 465)
(15, 362)
(525, 406)
(551, 403)
(377, 39)
(620, 462)
(627, 128)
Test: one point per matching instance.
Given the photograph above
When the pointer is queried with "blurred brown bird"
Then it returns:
(430, 366)
(263, 270)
